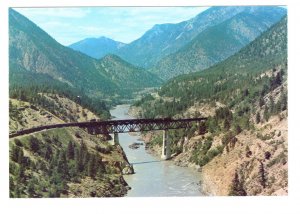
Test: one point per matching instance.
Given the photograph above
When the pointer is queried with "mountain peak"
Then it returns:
(97, 47)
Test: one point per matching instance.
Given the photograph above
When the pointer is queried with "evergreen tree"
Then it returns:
(262, 175)
(257, 118)
(261, 101)
(30, 188)
(70, 150)
(266, 114)
(14, 153)
(92, 166)
(226, 124)
(62, 165)
(236, 188)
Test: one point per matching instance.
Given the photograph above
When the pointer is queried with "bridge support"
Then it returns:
(115, 139)
(165, 154)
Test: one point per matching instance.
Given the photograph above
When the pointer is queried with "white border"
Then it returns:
(157, 205)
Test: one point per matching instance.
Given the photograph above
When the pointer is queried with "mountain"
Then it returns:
(97, 47)
(252, 72)
(216, 43)
(165, 39)
(32, 51)
(242, 148)
(35, 58)
(265, 52)
(127, 76)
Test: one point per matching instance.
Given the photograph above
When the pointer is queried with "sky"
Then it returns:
(124, 24)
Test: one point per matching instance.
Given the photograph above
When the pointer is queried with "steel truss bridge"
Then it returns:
(118, 126)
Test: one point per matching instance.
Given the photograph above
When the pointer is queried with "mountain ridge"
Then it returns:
(212, 45)
(97, 47)
(164, 39)
(32, 51)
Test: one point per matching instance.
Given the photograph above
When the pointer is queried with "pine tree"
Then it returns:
(226, 124)
(261, 101)
(257, 118)
(262, 175)
(62, 165)
(236, 188)
(266, 114)
(14, 153)
(70, 150)
(30, 188)
(92, 166)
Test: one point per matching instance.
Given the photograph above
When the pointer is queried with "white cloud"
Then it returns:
(55, 12)
(69, 25)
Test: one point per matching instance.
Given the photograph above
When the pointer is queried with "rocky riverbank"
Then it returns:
(257, 159)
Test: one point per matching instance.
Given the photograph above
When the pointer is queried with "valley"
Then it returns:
(227, 65)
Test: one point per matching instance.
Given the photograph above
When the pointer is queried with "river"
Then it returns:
(154, 177)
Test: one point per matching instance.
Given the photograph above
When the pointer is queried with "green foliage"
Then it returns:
(262, 175)
(214, 45)
(237, 81)
(203, 153)
(56, 163)
(237, 188)
(257, 117)
(34, 144)
(32, 94)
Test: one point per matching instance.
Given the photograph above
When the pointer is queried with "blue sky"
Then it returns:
(124, 24)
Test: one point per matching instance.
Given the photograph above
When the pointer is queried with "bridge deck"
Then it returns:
(119, 126)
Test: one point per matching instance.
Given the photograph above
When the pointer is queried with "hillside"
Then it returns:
(66, 162)
(37, 59)
(165, 39)
(212, 45)
(242, 148)
(31, 51)
(97, 47)
(127, 76)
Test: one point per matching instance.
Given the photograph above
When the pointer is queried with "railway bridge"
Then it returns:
(122, 126)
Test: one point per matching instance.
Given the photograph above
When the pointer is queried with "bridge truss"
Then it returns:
(138, 125)
(119, 126)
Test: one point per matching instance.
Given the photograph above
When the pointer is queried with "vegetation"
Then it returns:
(215, 44)
(50, 63)
(237, 188)
(244, 82)
(33, 95)
(237, 81)
(50, 164)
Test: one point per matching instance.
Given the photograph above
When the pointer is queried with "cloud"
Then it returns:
(55, 12)
(125, 24)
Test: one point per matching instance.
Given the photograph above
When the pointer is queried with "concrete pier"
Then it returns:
(165, 154)
(115, 139)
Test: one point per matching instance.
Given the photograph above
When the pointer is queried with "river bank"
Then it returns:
(153, 176)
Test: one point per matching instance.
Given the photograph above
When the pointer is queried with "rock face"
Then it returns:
(128, 170)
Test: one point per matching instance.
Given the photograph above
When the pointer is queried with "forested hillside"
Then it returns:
(165, 39)
(242, 148)
(35, 59)
(214, 45)
(66, 162)
(241, 77)
(127, 76)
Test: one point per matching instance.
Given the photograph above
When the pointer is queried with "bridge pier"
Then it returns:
(165, 154)
(115, 139)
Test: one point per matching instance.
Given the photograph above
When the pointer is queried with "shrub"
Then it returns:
(267, 155)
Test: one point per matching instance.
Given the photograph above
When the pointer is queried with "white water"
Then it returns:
(154, 177)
